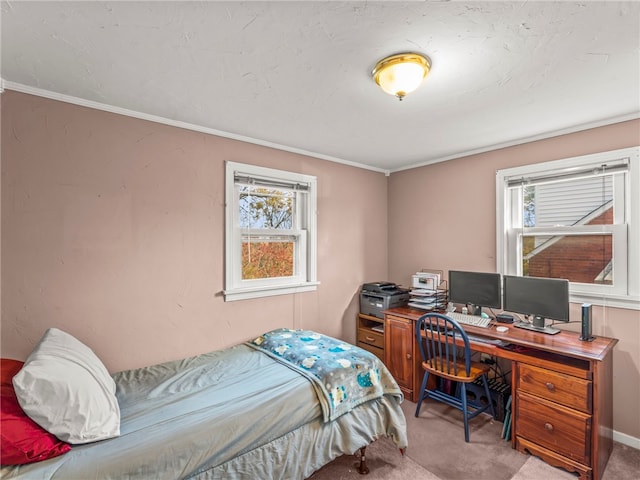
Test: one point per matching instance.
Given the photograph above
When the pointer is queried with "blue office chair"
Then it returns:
(445, 351)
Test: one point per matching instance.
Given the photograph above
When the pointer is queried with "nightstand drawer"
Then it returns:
(564, 389)
(370, 337)
(557, 428)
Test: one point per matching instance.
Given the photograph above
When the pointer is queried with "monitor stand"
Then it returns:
(537, 326)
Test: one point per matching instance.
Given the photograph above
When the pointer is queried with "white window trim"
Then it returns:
(304, 281)
(580, 293)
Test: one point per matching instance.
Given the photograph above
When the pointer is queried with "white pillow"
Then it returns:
(65, 388)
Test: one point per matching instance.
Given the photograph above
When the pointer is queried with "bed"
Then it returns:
(278, 407)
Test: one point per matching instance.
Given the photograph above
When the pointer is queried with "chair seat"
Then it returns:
(477, 370)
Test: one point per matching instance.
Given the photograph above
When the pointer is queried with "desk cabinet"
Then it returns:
(370, 334)
(561, 389)
(400, 353)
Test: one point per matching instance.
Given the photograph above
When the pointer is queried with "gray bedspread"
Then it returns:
(215, 416)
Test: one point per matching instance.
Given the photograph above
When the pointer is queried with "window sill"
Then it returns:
(268, 291)
(629, 302)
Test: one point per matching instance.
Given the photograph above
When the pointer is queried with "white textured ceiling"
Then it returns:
(296, 75)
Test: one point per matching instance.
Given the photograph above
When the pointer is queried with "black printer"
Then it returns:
(377, 297)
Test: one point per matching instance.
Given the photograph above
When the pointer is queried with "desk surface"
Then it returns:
(564, 343)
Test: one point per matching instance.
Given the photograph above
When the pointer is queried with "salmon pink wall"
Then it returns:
(443, 216)
(113, 230)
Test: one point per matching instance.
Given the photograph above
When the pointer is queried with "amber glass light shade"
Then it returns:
(402, 73)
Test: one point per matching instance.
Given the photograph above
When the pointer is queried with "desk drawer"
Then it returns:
(370, 337)
(564, 389)
(560, 429)
(378, 352)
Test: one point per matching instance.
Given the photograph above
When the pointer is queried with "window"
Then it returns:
(270, 232)
(575, 218)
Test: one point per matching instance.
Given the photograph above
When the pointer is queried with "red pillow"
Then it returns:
(22, 440)
(8, 370)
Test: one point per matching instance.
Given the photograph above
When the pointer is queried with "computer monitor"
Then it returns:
(538, 297)
(476, 289)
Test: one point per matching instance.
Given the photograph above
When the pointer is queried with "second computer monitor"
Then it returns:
(476, 289)
(541, 298)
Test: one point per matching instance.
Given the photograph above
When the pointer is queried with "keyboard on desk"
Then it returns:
(474, 320)
(491, 341)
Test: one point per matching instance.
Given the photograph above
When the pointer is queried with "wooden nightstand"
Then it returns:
(370, 334)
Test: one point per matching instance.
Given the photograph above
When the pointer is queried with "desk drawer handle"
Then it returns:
(548, 427)
(371, 339)
(551, 387)
(408, 356)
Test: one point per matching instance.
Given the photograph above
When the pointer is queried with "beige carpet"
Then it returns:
(384, 461)
(536, 469)
(437, 450)
(436, 442)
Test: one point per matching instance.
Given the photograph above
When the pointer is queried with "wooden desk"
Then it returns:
(561, 387)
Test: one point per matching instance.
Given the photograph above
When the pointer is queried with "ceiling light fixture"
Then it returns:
(402, 73)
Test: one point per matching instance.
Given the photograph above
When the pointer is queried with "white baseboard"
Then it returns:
(628, 440)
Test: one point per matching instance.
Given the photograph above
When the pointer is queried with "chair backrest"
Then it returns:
(436, 335)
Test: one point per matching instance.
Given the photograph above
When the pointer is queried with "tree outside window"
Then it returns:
(265, 256)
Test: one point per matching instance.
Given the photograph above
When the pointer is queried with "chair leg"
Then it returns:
(423, 392)
(487, 392)
(465, 413)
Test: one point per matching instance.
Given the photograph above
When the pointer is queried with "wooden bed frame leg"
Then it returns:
(362, 464)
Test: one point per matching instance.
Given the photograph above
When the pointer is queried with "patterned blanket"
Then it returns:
(343, 375)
